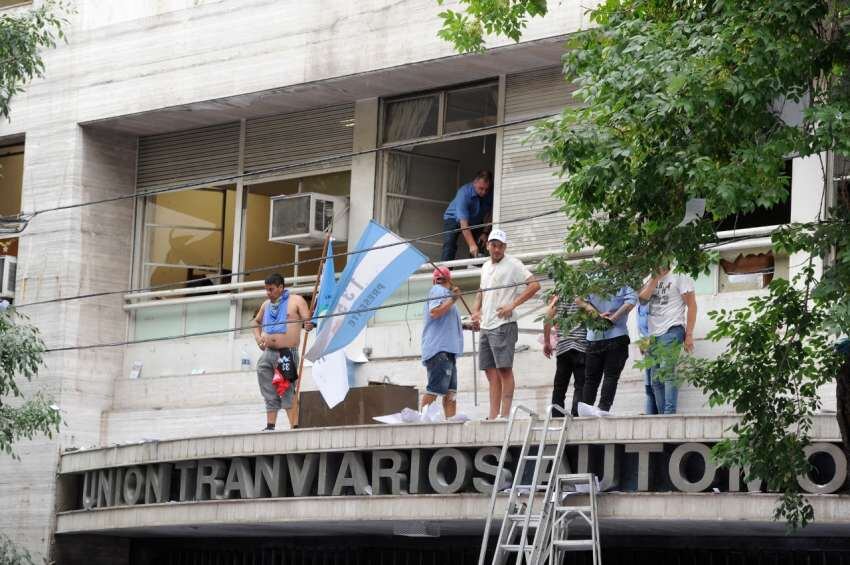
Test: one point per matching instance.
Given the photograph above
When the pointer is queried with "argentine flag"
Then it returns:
(327, 285)
(368, 280)
(330, 373)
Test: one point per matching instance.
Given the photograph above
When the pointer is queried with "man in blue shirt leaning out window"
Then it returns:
(472, 205)
(442, 341)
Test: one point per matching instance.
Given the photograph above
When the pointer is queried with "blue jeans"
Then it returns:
(451, 236)
(649, 408)
(442, 374)
(449, 240)
(667, 391)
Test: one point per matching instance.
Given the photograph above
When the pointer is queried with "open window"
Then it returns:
(753, 269)
(11, 180)
(776, 215)
(420, 183)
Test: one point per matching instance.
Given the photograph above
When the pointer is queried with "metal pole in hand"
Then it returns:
(474, 370)
(294, 412)
(462, 301)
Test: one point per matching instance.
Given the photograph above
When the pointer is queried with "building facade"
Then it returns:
(209, 110)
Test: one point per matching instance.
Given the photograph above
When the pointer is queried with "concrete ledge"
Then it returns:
(623, 513)
(706, 428)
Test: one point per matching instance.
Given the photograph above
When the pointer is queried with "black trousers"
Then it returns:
(604, 362)
(569, 363)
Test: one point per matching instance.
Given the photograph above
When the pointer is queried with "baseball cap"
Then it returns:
(498, 235)
(441, 273)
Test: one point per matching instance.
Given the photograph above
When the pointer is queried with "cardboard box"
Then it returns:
(359, 407)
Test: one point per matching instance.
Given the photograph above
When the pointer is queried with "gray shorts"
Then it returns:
(497, 347)
(265, 374)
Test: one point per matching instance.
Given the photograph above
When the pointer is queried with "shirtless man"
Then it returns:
(278, 339)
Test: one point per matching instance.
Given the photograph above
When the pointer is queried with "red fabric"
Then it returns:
(280, 383)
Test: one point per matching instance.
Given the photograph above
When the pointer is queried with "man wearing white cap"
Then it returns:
(499, 295)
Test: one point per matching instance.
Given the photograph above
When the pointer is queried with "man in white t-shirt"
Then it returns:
(671, 320)
(494, 314)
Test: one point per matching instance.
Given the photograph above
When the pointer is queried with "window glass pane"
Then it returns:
(9, 246)
(188, 236)
(334, 184)
(187, 208)
(470, 108)
(166, 320)
(411, 119)
(261, 253)
(11, 177)
(180, 246)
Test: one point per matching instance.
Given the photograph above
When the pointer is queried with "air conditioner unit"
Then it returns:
(8, 268)
(303, 218)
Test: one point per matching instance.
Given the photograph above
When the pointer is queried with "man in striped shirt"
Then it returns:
(569, 352)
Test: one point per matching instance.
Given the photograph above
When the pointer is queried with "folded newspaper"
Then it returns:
(429, 414)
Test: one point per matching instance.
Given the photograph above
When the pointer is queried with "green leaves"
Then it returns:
(22, 38)
(21, 350)
(10, 554)
(684, 100)
(778, 353)
(487, 17)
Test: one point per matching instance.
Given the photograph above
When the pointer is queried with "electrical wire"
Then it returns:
(176, 286)
(293, 321)
(22, 219)
(283, 265)
(330, 315)
(205, 183)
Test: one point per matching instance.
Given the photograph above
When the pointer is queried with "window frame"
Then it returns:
(11, 150)
(442, 95)
(143, 262)
(380, 192)
(13, 4)
(445, 99)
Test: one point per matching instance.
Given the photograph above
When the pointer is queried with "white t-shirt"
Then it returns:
(506, 272)
(667, 307)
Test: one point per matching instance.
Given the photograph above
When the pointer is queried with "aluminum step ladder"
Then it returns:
(526, 525)
(570, 487)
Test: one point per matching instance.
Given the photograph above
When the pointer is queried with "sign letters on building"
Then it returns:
(640, 467)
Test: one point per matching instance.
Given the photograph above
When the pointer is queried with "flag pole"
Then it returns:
(462, 301)
(293, 412)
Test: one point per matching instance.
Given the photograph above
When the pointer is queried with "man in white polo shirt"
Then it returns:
(671, 320)
(494, 314)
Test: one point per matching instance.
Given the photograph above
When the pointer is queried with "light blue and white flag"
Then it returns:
(327, 285)
(367, 281)
(330, 373)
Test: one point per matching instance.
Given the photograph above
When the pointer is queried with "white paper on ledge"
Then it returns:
(430, 414)
(391, 419)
